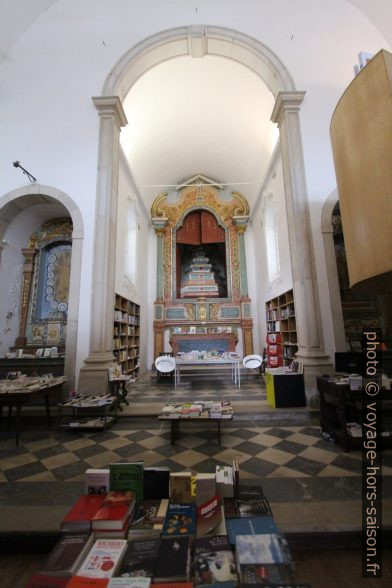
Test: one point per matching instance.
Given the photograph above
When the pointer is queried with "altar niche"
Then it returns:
(201, 257)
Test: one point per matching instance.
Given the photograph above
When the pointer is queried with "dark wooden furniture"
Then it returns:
(11, 397)
(34, 366)
(89, 412)
(340, 405)
(175, 425)
(285, 390)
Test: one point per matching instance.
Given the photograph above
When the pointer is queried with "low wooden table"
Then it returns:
(16, 393)
(175, 421)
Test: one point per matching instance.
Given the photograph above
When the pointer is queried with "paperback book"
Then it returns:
(114, 511)
(127, 476)
(67, 555)
(96, 481)
(180, 520)
(249, 526)
(80, 516)
(148, 518)
(268, 548)
(103, 559)
(174, 560)
(214, 562)
(140, 559)
(208, 516)
(156, 483)
(45, 581)
(181, 487)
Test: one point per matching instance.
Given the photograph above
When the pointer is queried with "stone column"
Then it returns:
(93, 375)
(307, 309)
(28, 270)
(160, 232)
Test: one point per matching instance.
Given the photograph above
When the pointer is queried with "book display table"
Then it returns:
(25, 390)
(182, 362)
(198, 411)
(89, 412)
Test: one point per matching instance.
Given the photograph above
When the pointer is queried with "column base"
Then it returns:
(316, 364)
(93, 378)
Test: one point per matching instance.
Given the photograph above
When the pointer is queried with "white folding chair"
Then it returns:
(252, 362)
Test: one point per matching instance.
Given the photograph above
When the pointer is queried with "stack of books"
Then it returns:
(123, 538)
(198, 410)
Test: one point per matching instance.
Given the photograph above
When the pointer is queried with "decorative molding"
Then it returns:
(286, 102)
(111, 106)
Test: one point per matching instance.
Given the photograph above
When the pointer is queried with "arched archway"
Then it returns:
(11, 204)
(198, 41)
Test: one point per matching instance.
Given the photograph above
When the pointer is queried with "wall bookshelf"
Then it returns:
(282, 343)
(126, 335)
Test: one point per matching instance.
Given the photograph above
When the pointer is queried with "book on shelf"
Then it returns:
(249, 526)
(115, 511)
(180, 520)
(205, 487)
(96, 481)
(156, 482)
(208, 516)
(214, 562)
(127, 476)
(68, 553)
(40, 580)
(181, 487)
(140, 558)
(148, 518)
(103, 559)
(79, 517)
(174, 560)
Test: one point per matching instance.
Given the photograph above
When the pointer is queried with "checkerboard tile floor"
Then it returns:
(289, 454)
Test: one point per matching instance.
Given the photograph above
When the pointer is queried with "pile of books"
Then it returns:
(199, 409)
(141, 527)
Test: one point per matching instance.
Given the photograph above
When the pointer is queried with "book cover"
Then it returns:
(249, 526)
(149, 514)
(140, 558)
(180, 520)
(205, 487)
(174, 560)
(253, 507)
(214, 561)
(181, 487)
(84, 582)
(114, 511)
(96, 481)
(270, 574)
(156, 483)
(268, 548)
(103, 559)
(44, 581)
(208, 516)
(80, 515)
(127, 476)
(67, 555)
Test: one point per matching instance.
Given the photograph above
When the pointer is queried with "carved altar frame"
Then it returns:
(231, 211)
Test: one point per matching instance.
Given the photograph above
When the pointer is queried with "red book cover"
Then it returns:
(208, 516)
(84, 582)
(82, 512)
(45, 581)
(114, 511)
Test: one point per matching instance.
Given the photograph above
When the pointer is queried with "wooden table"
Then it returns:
(15, 393)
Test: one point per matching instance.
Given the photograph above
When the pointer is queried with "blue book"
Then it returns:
(180, 521)
(249, 526)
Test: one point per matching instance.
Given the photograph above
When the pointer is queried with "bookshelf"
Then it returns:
(126, 335)
(282, 343)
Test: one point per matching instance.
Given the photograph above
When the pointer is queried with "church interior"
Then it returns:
(204, 185)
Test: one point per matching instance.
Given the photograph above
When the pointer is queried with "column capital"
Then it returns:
(286, 102)
(111, 106)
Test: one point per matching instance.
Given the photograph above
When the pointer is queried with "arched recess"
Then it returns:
(11, 205)
(332, 271)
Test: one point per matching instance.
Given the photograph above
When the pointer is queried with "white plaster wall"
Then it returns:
(49, 122)
(16, 238)
(266, 289)
(138, 291)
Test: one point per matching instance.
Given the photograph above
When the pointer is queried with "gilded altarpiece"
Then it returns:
(201, 269)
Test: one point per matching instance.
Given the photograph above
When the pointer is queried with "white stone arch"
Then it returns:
(332, 271)
(10, 205)
(198, 41)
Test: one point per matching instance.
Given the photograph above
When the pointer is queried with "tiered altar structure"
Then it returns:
(202, 291)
